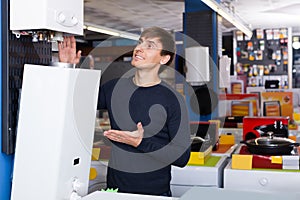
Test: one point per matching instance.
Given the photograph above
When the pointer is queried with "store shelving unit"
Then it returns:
(264, 56)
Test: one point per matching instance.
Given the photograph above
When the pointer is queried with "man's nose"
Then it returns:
(139, 47)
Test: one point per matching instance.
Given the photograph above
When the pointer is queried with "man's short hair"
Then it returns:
(165, 38)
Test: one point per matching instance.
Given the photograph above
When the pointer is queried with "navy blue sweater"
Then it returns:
(163, 114)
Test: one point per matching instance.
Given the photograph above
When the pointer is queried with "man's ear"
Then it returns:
(165, 59)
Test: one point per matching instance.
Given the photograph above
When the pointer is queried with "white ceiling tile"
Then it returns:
(137, 14)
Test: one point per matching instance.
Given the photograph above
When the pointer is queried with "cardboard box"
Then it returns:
(254, 127)
(243, 104)
(283, 99)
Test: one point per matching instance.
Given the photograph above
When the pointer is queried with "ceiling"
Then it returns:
(269, 13)
(135, 15)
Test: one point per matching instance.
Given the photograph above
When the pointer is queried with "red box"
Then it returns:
(260, 161)
(254, 127)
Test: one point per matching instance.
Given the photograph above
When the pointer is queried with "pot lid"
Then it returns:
(270, 141)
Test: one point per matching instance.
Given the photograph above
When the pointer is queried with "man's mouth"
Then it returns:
(138, 57)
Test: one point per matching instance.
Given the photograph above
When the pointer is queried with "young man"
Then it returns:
(149, 120)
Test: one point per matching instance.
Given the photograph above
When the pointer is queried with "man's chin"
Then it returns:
(136, 65)
(142, 65)
(133, 63)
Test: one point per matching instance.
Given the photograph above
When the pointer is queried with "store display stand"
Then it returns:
(123, 196)
(262, 179)
(187, 177)
(234, 194)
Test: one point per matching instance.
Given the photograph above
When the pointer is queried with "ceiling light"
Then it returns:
(229, 17)
(104, 30)
(109, 31)
(129, 36)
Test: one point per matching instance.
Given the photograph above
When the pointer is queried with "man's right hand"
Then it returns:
(133, 138)
(67, 51)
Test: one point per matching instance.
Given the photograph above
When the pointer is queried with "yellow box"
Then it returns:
(241, 161)
(276, 159)
(293, 126)
(226, 139)
(95, 153)
(199, 158)
(296, 117)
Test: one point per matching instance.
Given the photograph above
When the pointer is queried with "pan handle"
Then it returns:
(296, 144)
(199, 139)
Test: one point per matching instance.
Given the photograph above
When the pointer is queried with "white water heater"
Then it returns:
(56, 15)
(55, 133)
(197, 64)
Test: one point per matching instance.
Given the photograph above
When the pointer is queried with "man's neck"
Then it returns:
(146, 79)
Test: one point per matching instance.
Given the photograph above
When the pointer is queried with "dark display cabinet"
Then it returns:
(263, 57)
(296, 61)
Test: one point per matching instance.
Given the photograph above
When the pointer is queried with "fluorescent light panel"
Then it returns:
(233, 20)
(109, 31)
(129, 36)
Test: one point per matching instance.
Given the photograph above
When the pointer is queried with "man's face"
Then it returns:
(147, 53)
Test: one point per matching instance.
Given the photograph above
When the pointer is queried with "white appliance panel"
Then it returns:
(197, 63)
(55, 132)
(56, 15)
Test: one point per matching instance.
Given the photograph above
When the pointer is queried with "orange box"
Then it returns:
(293, 137)
(241, 161)
(285, 100)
